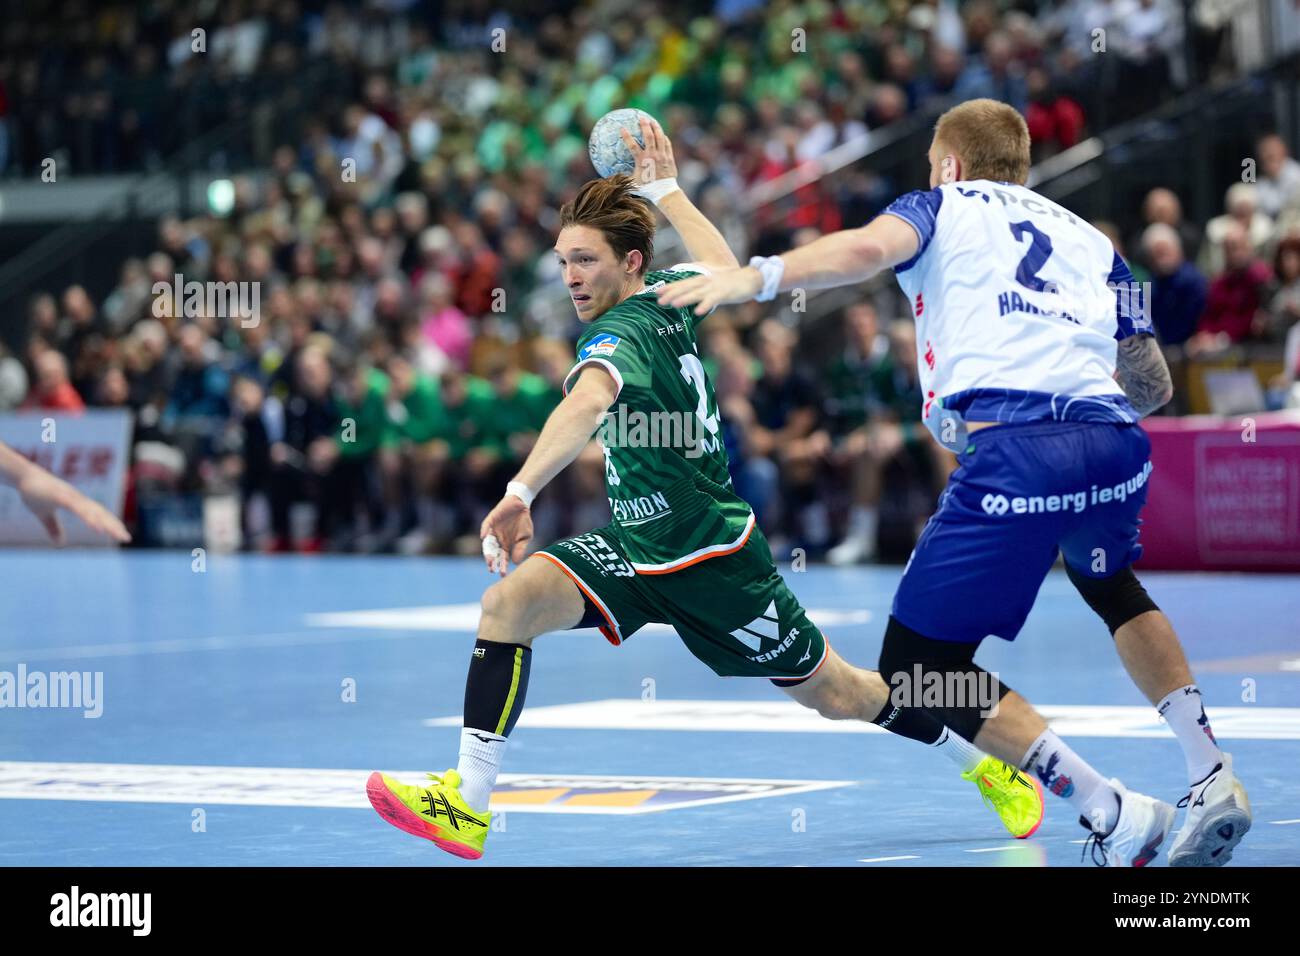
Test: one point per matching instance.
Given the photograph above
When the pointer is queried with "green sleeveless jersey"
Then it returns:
(670, 495)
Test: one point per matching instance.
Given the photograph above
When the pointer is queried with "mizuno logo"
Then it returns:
(807, 654)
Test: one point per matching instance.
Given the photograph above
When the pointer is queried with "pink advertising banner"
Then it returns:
(1224, 493)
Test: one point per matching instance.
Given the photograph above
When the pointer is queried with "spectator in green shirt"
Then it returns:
(362, 402)
(522, 403)
(415, 453)
(364, 429)
(479, 453)
(877, 409)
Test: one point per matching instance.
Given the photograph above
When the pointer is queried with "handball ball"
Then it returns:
(609, 154)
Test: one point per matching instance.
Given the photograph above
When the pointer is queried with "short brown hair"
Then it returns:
(626, 220)
(990, 138)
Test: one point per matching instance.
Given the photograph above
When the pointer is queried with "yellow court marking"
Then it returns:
(518, 797)
(617, 798)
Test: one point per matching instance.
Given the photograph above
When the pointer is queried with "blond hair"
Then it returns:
(625, 220)
(990, 138)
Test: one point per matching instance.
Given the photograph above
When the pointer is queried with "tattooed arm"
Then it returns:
(1143, 374)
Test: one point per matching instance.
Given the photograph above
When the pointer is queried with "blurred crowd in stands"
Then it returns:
(410, 341)
(110, 86)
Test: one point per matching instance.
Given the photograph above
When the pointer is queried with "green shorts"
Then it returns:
(733, 611)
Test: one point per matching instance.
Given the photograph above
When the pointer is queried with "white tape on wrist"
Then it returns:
(657, 190)
(772, 269)
(522, 492)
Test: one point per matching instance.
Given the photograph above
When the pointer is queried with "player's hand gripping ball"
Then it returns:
(609, 154)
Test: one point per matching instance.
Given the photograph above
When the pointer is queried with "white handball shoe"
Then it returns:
(855, 549)
(1218, 816)
(1143, 824)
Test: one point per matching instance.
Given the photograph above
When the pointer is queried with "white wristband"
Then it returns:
(771, 268)
(657, 190)
(522, 492)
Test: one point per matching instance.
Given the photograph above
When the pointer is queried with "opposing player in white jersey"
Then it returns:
(1037, 360)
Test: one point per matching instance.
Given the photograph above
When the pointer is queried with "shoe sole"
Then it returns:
(1041, 812)
(388, 806)
(1218, 834)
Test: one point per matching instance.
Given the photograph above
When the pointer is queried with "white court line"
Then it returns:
(1283, 823)
(186, 645)
(999, 849)
(787, 716)
(464, 617)
(888, 859)
(335, 627)
(313, 787)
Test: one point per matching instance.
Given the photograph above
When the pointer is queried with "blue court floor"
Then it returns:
(240, 708)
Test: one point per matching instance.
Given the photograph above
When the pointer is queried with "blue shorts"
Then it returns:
(1020, 493)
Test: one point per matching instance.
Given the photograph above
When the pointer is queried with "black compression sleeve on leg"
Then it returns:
(909, 722)
(496, 685)
(1116, 599)
(915, 665)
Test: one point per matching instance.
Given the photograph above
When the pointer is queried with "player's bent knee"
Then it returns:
(503, 608)
(1116, 599)
(494, 597)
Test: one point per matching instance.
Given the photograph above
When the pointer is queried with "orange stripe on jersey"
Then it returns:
(610, 630)
(704, 557)
(826, 655)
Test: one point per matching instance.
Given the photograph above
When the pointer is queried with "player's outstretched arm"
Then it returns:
(1142, 372)
(562, 438)
(841, 258)
(656, 176)
(44, 495)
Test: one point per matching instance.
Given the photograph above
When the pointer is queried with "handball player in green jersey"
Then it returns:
(682, 547)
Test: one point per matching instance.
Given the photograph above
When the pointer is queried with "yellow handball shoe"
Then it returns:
(1014, 797)
(438, 812)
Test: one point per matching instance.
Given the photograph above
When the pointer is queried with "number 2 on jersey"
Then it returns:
(693, 372)
(1039, 251)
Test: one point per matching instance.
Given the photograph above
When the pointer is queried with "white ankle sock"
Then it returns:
(1184, 712)
(480, 762)
(862, 522)
(957, 749)
(1064, 773)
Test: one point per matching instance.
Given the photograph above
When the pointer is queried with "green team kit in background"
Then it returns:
(683, 548)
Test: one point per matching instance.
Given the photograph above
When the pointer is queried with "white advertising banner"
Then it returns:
(88, 450)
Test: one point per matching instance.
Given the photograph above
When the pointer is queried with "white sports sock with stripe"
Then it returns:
(959, 750)
(481, 752)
